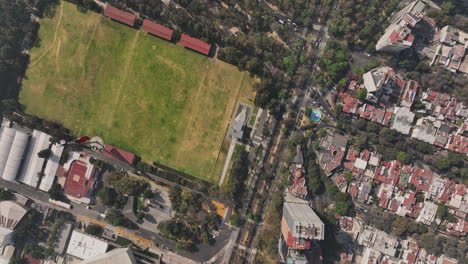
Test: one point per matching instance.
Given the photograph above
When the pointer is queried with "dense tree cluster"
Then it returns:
(116, 218)
(56, 192)
(452, 12)
(94, 230)
(438, 245)
(16, 29)
(110, 197)
(28, 230)
(453, 166)
(126, 185)
(5, 194)
(267, 241)
(360, 23)
(303, 12)
(34, 250)
(234, 188)
(403, 227)
(334, 64)
(314, 179)
(191, 224)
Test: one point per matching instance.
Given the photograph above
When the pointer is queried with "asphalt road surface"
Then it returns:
(204, 253)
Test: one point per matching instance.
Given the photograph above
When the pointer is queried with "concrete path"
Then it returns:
(228, 160)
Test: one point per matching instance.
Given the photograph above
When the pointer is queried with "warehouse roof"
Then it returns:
(195, 44)
(119, 154)
(119, 15)
(157, 29)
(51, 167)
(33, 163)
(15, 155)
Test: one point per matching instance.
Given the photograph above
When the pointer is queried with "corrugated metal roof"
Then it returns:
(6, 140)
(32, 162)
(195, 44)
(15, 156)
(157, 29)
(119, 15)
(51, 167)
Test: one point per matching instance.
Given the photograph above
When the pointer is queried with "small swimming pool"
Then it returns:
(316, 115)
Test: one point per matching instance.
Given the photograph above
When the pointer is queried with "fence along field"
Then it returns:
(138, 92)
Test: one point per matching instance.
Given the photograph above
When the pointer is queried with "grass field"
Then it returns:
(140, 93)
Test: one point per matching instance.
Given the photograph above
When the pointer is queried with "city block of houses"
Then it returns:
(394, 187)
(389, 103)
(396, 184)
(380, 247)
(408, 28)
(413, 191)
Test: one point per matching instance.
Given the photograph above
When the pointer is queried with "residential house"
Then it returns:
(332, 151)
(403, 120)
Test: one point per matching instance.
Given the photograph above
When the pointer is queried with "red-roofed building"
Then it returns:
(298, 186)
(384, 198)
(157, 29)
(333, 148)
(458, 143)
(119, 154)
(77, 184)
(394, 204)
(446, 260)
(410, 200)
(411, 258)
(30, 260)
(353, 189)
(350, 104)
(195, 44)
(119, 15)
(346, 223)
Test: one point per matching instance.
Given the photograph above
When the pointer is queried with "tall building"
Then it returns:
(300, 225)
(11, 214)
(397, 36)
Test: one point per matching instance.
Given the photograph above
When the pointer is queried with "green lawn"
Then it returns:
(140, 93)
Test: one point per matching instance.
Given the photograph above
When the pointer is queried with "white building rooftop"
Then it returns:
(85, 247)
(116, 256)
(10, 214)
(403, 120)
(33, 163)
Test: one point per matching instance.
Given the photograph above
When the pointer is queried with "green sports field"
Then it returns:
(140, 93)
